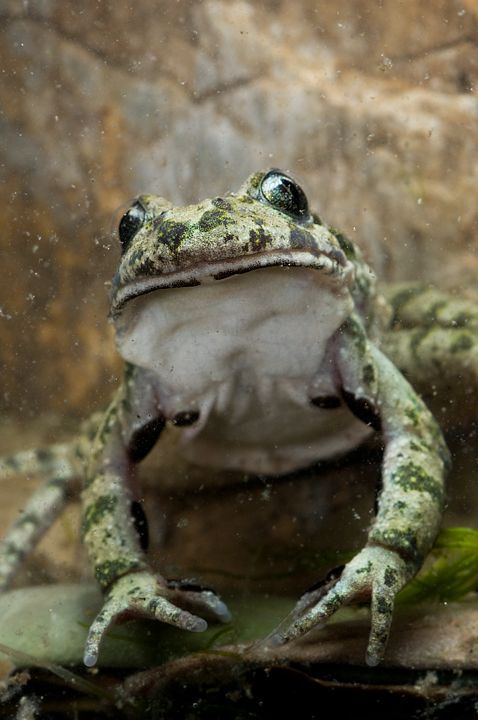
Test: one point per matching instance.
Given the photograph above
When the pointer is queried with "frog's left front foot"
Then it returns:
(376, 574)
(143, 594)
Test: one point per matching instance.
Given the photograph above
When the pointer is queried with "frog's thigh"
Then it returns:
(433, 340)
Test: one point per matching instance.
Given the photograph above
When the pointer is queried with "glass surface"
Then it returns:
(372, 106)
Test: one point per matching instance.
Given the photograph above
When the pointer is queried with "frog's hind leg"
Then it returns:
(42, 508)
(433, 340)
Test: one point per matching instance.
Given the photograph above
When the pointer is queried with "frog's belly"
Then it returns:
(274, 444)
(248, 353)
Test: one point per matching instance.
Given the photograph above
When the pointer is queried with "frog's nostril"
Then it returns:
(222, 204)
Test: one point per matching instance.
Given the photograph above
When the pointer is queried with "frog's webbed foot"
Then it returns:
(376, 575)
(143, 594)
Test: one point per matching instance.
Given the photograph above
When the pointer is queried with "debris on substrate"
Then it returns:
(430, 671)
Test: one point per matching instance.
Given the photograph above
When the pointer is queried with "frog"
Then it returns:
(259, 333)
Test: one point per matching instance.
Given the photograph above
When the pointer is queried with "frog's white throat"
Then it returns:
(244, 353)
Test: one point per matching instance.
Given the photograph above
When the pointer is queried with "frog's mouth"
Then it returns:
(332, 264)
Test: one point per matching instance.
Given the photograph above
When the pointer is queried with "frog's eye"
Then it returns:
(282, 191)
(130, 222)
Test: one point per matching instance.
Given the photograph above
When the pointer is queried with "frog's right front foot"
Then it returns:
(143, 594)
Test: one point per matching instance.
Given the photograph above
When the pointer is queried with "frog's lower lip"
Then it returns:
(209, 272)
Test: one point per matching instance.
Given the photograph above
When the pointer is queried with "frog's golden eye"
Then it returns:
(282, 191)
(132, 221)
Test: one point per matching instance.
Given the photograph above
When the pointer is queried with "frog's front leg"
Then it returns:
(411, 500)
(129, 429)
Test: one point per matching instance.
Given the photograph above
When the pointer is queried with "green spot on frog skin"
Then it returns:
(463, 342)
(26, 519)
(300, 238)
(255, 180)
(245, 200)
(126, 398)
(356, 333)
(91, 479)
(404, 542)
(318, 220)
(420, 446)
(411, 476)
(150, 268)
(384, 607)
(413, 415)
(434, 310)
(418, 337)
(213, 219)
(429, 317)
(258, 239)
(154, 605)
(401, 298)
(346, 245)
(12, 463)
(418, 414)
(462, 319)
(369, 375)
(390, 577)
(109, 570)
(130, 371)
(137, 255)
(171, 234)
(400, 505)
(88, 481)
(93, 514)
(362, 286)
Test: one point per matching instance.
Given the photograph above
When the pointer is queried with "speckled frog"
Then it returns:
(256, 330)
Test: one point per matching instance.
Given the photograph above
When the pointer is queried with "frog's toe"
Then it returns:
(317, 616)
(382, 613)
(139, 594)
(314, 594)
(190, 596)
(98, 629)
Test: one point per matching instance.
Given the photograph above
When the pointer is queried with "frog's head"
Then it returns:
(266, 223)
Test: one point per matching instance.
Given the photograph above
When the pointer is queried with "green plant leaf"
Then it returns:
(453, 574)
